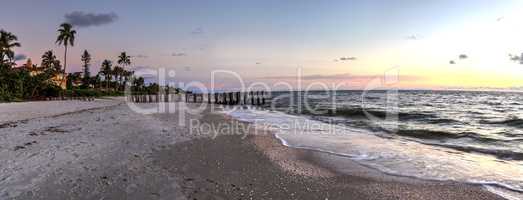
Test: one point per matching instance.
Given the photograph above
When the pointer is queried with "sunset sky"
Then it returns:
(330, 41)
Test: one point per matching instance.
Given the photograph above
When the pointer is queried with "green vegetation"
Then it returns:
(86, 58)
(66, 37)
(32, 82)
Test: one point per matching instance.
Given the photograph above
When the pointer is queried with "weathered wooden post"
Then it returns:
(263, 97)
(166, 97)
(251, 94)
(258, 98)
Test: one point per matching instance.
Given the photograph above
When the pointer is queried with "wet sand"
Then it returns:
(259, 167)
(110, 152)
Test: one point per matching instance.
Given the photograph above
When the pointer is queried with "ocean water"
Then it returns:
(472, 137)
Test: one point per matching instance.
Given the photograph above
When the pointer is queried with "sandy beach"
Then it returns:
(104, 150)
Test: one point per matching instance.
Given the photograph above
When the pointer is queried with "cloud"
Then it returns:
(500, 19)
(331, 77)
(19, 57)
(463, 56)
(516, 58)
(347, 58)
(452, 62)
(312, 77)
(197, 31)
(83, 19)
(138, 68)
(178, 54)
(412, 37)
(140, 56)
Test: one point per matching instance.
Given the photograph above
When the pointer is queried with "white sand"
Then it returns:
(74, 148)
(35, 109)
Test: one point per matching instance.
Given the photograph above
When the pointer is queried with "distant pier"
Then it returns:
(222, 98)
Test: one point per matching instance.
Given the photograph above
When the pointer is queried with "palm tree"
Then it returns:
(49, 62)
(107, 72)
(7, 42)
(66, 36)
(118, 74)
(127, 75)
(139, 83)
(124, 60)
(96, 81)
(86, 58)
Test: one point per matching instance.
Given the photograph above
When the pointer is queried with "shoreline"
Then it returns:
(116, 153)
(330, 176)
(343, 166)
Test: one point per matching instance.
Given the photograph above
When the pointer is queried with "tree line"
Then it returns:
(18, 83)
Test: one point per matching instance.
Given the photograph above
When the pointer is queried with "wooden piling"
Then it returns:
(251, 94)
(263, 98)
